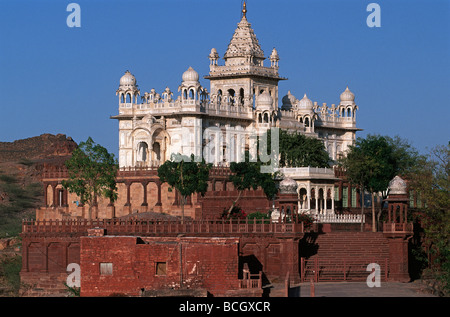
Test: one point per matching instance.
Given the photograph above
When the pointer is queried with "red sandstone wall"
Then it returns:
(209, 263)
(213, 203)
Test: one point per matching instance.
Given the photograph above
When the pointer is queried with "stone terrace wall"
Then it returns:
(205, 263)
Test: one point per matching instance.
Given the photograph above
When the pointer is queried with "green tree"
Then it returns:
(371, 164)
(431, 178)
(186, 175)
(298, 150)
(246, 175)
(405, 156)
(92, 173)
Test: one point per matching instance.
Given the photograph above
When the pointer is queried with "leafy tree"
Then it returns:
(246, 175)
(298, 150)
(92, 173)
(186, 175)
(431, 178)
(405, 156)
(371, 164)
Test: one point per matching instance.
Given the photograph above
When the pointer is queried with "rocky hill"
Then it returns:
(21, 162)
(45, 146)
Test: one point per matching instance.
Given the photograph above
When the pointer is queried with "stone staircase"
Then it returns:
(342, 256)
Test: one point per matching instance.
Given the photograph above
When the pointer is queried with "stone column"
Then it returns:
(308, 197)
(111, 210)
(316, 194)
(332, 200)
(55, 201)
(144, 205)
(398, 257)
(127, 206)
(65, 198)
(158, 206)
(46, 194)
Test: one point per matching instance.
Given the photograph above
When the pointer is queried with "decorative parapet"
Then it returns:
(400, 228)
(333, 218)
(308, 172)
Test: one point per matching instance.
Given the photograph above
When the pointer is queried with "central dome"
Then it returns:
(190, 75)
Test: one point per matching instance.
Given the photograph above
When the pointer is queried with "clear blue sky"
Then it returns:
(56, 79)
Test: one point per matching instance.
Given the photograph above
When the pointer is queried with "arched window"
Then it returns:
(128, 98)
(241, 96)
(259, 118)
(122, 98)
(157, 151)
(142, 152)
(303, 197)
(349, 112)
(231, 92)
(185, 94)
(307, 122)
(219, 96)
(191, 94)
(266, 117)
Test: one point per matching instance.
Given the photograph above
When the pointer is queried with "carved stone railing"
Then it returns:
(158, 227)
(334, 218)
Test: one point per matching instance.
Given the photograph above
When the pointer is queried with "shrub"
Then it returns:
(236, 213)
(258, 216)
(307, 220)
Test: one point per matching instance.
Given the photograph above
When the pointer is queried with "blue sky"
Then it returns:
(56, 79)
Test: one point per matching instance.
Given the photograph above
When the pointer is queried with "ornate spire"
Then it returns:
(244, 43)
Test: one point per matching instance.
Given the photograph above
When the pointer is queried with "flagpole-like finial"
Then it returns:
(244, 10)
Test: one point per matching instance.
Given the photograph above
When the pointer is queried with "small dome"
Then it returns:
(305, 103)
(288, 101)
(397, 186)
(288, 186)
(264, 100)
(347, 96)
(213, 52)
(128, 79)
(190, 75)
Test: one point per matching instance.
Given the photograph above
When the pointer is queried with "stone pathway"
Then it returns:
(353, 289)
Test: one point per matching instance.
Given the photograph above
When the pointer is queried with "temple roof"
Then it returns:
(244, 42)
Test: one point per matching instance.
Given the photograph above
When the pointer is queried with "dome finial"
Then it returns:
(244, 10)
